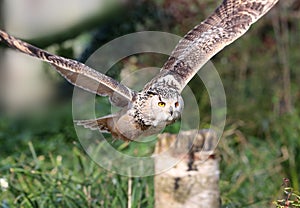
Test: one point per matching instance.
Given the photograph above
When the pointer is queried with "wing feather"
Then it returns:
(229, 22)
(76, 73)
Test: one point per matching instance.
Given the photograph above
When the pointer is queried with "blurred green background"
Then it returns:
(41, 158)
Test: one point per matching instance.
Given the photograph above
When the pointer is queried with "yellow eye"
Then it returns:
(161, 104)
(176, 104)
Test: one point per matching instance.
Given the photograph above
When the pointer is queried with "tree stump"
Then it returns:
(193, 182)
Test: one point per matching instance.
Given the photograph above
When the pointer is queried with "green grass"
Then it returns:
(45, 166)
(52, 181)
(290, 198)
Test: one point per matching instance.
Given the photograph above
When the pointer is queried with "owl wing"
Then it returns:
(229, 22)
(76, 73)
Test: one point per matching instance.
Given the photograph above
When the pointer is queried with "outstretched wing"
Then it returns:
(75, 72)
(229, 22)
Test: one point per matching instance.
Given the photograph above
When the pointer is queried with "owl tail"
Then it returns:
(103, 124)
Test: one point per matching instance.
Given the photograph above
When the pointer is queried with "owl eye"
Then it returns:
(176, 104)
(161, 104)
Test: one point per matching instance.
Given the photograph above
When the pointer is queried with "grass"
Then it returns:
(253, 167)
(47, 167)
(290, 198)
(50, 181)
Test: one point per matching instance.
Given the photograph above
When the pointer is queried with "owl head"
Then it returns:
(162, 107)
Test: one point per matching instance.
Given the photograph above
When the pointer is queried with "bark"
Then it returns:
(193, 182)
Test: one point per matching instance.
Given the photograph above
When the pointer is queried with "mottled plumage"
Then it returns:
(159, 103)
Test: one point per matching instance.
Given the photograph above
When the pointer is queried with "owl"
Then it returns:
(159, 103)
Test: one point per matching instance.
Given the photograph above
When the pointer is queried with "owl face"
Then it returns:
(163, 110)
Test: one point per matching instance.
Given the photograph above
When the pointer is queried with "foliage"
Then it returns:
(291, 197)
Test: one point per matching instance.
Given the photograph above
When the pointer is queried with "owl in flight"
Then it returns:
(159, 103)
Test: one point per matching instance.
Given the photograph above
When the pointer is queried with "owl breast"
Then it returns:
(127, 127)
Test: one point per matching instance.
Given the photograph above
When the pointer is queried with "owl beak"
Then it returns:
(171, 111)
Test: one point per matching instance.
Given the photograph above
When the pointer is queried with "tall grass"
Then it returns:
(54, 181)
